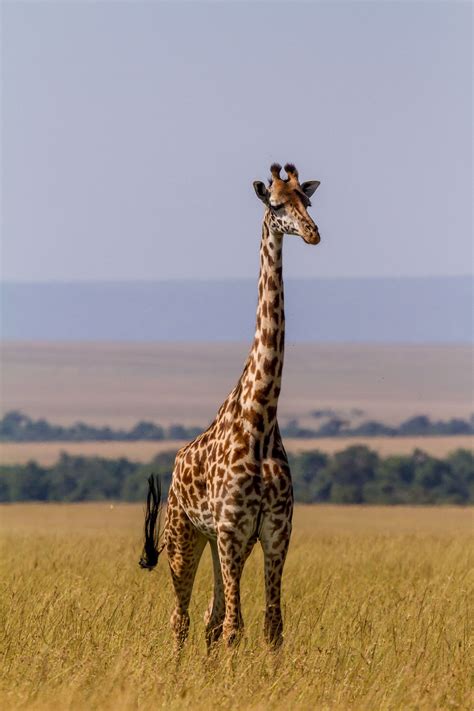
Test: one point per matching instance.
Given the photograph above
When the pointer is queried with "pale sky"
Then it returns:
(132, 132)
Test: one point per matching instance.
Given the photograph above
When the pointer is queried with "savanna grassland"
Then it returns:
(377, 604)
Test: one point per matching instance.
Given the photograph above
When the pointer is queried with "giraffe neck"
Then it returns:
(261, 380)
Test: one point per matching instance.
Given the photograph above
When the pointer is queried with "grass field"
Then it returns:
(377, 603)
(47, 453)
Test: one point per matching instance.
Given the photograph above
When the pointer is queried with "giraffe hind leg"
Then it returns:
(185, 545)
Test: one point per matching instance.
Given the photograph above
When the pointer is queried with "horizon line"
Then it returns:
(159, 280)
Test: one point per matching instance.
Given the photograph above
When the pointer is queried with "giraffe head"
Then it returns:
(287, 201)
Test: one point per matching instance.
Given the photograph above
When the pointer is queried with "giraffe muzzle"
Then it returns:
(312, 235)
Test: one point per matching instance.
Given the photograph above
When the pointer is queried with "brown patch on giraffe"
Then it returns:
(271, 284)
(271, 413)
(260, 397)
(269, 365)
(255, 418)
(266, 389)
(238, 468)
(239, 453)
(253, 467)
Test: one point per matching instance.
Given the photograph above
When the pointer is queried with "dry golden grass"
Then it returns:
(377, 610)
(47, 453)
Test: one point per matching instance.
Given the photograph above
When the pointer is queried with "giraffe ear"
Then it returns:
(310, 187)
(261, 191)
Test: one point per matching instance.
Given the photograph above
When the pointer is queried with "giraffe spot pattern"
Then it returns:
(231, 485)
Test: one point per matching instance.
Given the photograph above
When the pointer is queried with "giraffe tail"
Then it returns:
(152, 547)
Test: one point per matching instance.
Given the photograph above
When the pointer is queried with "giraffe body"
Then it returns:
(231, 485)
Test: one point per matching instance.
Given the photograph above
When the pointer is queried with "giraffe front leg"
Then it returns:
(214, 617)
(274, 534)
(275, 538)
(184, 546)
(231, 558)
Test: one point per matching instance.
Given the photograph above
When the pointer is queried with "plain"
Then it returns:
(48, 453)
(118, 384)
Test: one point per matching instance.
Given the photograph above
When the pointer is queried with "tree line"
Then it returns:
(356, 475)
(18, 427)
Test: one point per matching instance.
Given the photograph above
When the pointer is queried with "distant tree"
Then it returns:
(418, 425)
(15, 426)
(435, 482)
(455, 426)
(12, 425)
(88, 479)
(306, 470)
(194, 431)
(64, 478)
(349, 471)
(177, 432)
(135, 486)
(41, 431)
(146, 431)
(460, 488)
(357, 412)
(355, 475)
(81, 432)
(164, 460)
(293, 429)
(182, 432)
(29, 483)
(325, 412)
(332, 427)
(461, 463)
(6, 488)
(372, 428)
(392, 481)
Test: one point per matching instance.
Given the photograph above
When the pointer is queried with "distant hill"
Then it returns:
(410, 310)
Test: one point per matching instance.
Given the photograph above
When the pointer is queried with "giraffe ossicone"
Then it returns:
(231, 486)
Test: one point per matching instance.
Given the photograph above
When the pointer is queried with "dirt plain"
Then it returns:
(118, 384)
(47, 453)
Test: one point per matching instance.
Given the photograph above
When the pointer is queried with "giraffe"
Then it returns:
(231, 486)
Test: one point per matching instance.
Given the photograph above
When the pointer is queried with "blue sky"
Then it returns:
(132, 132)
